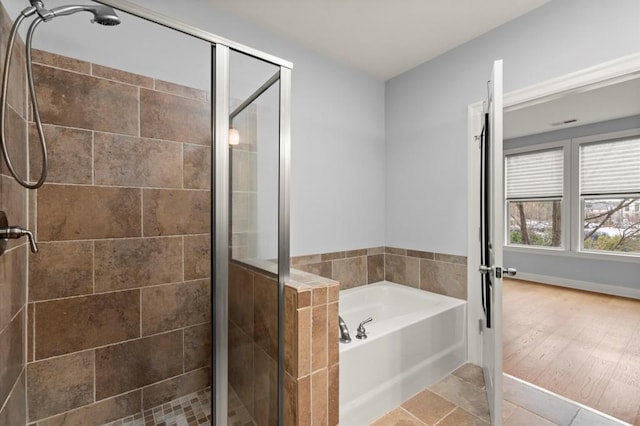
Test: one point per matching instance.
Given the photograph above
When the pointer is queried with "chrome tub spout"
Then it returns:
(344, 331)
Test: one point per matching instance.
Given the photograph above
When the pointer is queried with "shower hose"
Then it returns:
(3, 105)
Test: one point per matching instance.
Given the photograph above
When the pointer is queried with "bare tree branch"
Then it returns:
(635, 229)
(606, 216)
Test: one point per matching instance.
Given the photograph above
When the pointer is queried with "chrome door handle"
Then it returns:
(509, 271)
(497, 271)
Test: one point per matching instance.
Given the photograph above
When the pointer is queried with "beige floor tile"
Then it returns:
(471, 373)
(459, 417)
(398, 417)
(428, 407)
(465, 395)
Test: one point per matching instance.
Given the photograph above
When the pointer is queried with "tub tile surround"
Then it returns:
(119, 295)
(311, 352)
(436, 272)
(13, 263)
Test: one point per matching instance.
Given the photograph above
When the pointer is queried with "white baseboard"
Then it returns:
(613, 290)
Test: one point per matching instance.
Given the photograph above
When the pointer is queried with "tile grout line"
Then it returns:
(121, 342)
(141, 316)
(139, 95)
(93, 266)
(142, 213)
(448, 414)
(94, 377)
(104, 293)
(93, 158)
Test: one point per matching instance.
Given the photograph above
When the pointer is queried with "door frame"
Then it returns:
(603, 74)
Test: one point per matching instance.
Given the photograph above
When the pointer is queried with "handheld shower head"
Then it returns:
(103, 15)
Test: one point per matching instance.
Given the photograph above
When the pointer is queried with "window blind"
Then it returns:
(535, 174)
(610, 167)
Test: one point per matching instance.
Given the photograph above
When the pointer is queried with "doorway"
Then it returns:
(557, 92)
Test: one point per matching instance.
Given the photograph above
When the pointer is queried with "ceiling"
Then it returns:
(383, 38)
(589, 106)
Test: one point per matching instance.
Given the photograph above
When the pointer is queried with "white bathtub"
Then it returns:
(415, 339)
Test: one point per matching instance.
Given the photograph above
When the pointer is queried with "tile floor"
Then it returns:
(457, 400)
(460, 400)
(190, 410)
(238, 413)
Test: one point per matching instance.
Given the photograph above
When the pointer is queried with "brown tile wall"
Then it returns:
(440, 273)
(311, 352)
(13, 263)
(119, 295)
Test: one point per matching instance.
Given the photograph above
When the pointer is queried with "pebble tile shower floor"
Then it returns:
(190, 410)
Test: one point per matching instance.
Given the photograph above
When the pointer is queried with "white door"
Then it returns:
(492, 236)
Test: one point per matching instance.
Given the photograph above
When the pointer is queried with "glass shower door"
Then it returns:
(254, 278)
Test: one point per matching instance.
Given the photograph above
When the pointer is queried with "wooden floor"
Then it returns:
(581, 345)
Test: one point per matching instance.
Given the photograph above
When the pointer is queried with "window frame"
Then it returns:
(572, 218)
(577, 200)
(564, 145)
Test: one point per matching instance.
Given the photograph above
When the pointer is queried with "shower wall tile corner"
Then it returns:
(121, 286)
(13, 263)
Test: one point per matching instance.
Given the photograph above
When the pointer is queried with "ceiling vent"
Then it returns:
(565, 122)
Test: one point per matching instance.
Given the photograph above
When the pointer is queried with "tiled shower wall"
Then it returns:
(13, 263)
(436, 272)
(119, 295)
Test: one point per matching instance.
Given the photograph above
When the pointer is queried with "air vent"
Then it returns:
(565, 122)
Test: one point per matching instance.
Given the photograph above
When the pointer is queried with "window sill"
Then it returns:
(547, 251)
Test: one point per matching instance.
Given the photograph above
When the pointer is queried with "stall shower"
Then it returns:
(110, 168)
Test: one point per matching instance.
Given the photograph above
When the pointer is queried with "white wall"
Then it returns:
(426, 108)
(338, 166)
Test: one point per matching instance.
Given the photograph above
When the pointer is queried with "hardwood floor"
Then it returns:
(581, 345)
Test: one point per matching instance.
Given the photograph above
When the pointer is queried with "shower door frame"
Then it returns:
(220, 109)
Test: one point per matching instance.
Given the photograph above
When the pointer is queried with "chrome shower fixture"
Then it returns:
(103, 15)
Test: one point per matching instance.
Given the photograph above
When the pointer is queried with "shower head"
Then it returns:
(103, 15)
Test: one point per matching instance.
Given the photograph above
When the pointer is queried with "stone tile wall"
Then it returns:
(119, 295)
(440, 273)
(311, 348)
(13, 263)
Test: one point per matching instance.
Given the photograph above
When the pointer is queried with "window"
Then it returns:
(610, 195)
(534, 189)
(581, 195)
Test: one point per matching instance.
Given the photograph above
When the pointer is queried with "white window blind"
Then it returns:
(610, 167)
(535, 174)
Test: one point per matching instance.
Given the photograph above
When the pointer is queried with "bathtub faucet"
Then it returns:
(344, 331)
(362, 333)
